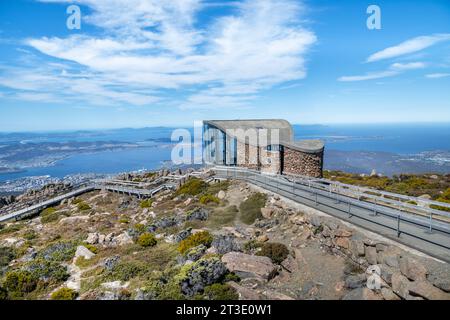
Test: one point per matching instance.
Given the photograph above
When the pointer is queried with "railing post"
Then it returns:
(315, 198)
(430, 230)
(349, 210)
(398, 226)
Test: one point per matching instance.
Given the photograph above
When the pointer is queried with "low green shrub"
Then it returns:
(193, 186)
(58, 251)
(64, 294)
(47, 271)
(125, 271)
(221, 217)
(146, 240)
(231, 276)
(209, 198)
(83, 206)
(147, 203)
(218, 291)
(250, 209)
(194, 240)
(6, 256)
(19, 282)
(252, 246)
(49, 215)
(3, 294)
(277, 252)
(11, 228)
(124, 220)
(77, 201)
(30, 235)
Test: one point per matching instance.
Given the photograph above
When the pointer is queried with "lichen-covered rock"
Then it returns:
(198, 214)
(183, 235)
(200, 274)
(195, 253)
(111, 262)
(225, 243)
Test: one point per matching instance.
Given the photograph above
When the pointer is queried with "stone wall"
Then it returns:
(301, 163)
(269, 161)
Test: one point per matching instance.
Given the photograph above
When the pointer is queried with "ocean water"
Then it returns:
(395, 138)
(403, 139)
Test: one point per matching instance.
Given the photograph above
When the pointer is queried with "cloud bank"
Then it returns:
(155, 51)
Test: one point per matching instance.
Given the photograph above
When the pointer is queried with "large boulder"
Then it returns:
(426, 290)
(412, 269)
(400, 285)
(440, 280)
(247, 265)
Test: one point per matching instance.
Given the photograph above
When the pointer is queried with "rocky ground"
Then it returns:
(217, 240)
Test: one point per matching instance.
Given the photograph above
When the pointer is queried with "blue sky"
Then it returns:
(137, 63)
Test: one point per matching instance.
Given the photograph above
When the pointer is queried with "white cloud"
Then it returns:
(150, 46)
(409, 46)
(393, 70)
(407, 66)
(437, 75)
(368, 76)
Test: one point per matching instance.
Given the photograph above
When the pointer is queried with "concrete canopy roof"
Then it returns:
(286, 133)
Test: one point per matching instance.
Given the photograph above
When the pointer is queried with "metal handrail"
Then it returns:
(293, 187)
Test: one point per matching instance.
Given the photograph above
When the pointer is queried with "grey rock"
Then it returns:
(426, 290)
(361, 294)
(400, 285)
(355, 281)
(412, 269)
(441, 281)
(371, 254)
(183, 234)
(198, 214)
(357, 248)
(388, 294)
